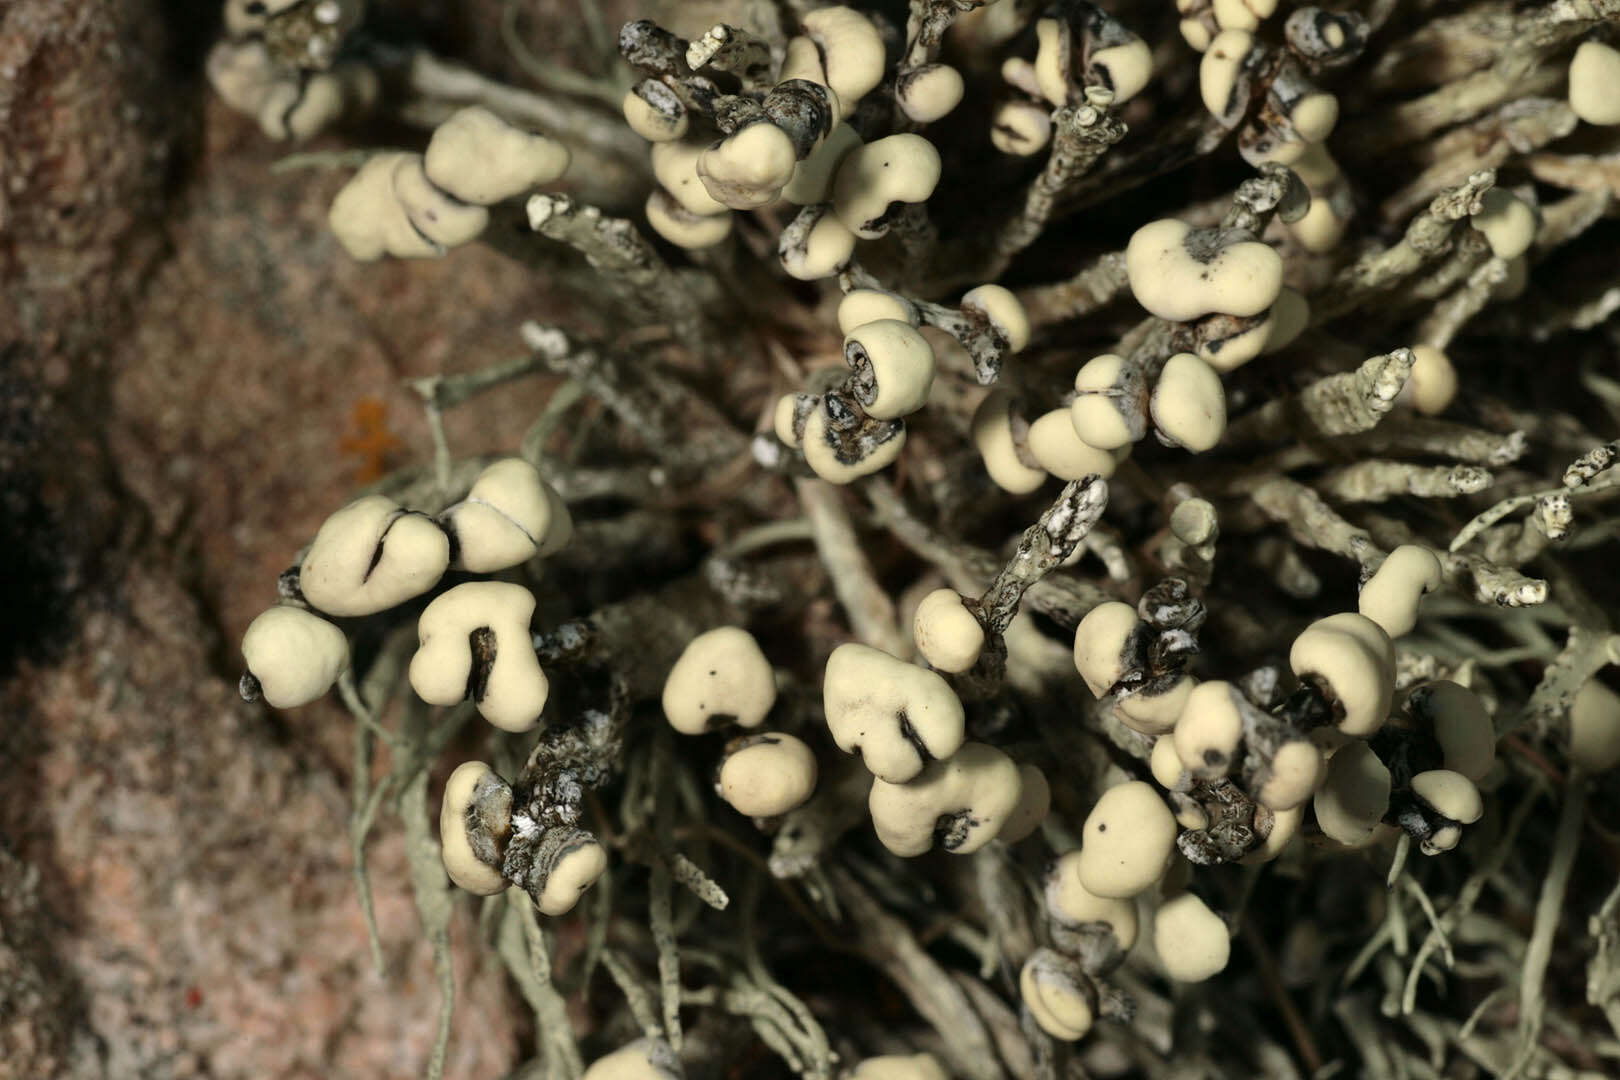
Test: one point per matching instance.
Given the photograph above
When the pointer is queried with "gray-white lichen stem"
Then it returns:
(1376, 480)
(1549, 911)
(1044, 545)
(1081, 135)
(1093, 288)
(627, 263)
(869, 607)
(1344, 404)
(1451, 313)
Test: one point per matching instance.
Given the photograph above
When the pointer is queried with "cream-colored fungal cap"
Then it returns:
(1001, 437)
(1051, 72)
(480, 158)
(962, 801)
(446, 221)
(1188, 405)
(370, 556)
(1192, 941)
(1179, 273)
(683, 228)
(474, 643)
(782, 418)
(813, 177)
(1165, 761)
(1508, 222)
(241, 74)
(675, 168)
(815, 245)
(852, 50)
(475, 818)
(1289, 317)
(1278, 829)
(1322, 227)
(1594, 727)
(574, 869)
(749, 167)
(1460, 724)
(654, 112)
(767, 774)
(298, 110)
(721, 677)
(1594, 83)
(900, 1067)
(509, 516)
(1449, 794)
(1126, 839)
(1110, 404)
(1210, 732)
(1290, 777)
(1354, 796)
(1154, 711)
(1034, 802)
(1432, 385)
(368, 219)
(1103, 643)
(1124, 68)
(1021, 128)
(644, 1059)
(1390, 597)
(946, 633)
(897, 169)
(1058, 994)
(1002, 310)
(1314, 116)
(1242, 14)
(294, 655)
(892, 368)
(929, 93)
(1218, 71)
(1068, 902)
(898, 716)
(1052, 442)
(1352, 659)
(862, 306)
(821, 451)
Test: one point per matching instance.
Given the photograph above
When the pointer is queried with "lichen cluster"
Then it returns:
(1080, 538)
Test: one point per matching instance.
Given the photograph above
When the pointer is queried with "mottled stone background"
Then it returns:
(191, 377)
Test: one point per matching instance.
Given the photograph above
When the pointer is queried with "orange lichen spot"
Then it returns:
(370, 439)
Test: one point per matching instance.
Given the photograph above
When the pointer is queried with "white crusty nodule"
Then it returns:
(897, 715)
(474, 785)
(896, 169)
(1192, 941)
(370, 556)
(722, 676)
(474, 642)
(509, 516)
(480, 158)
(654, 112)
(1228, 275)
(1353, 660)
(294, 655)
(766, 774)
(1125, 842)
